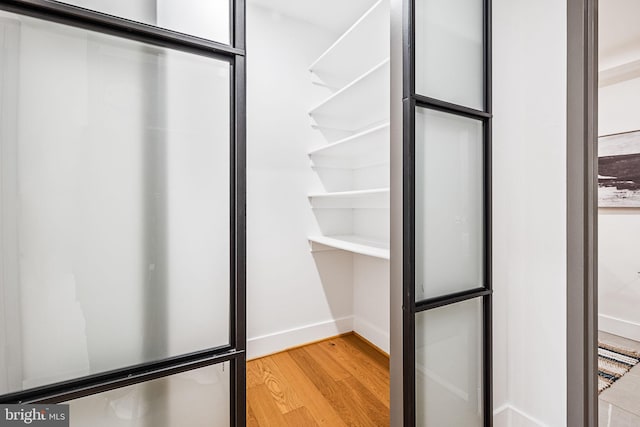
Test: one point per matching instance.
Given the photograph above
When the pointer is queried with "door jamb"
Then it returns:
(582, 228)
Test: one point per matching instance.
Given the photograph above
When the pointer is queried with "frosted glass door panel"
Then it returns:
(449, 366)
(198, 398)
(207, 19)
(448, 52)
(449, 204)
(114, 182)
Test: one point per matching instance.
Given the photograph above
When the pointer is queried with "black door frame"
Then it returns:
(582, 114)
(411, 307)
(235, 352)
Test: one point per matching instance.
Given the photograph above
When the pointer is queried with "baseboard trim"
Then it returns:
(620, 327)
(371, 333)
(509, 416)
(372, 345)
(283, 340)
(502, 416)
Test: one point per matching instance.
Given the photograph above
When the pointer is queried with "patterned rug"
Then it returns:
(613, 363)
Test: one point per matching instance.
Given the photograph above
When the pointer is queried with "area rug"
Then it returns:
(613, 363)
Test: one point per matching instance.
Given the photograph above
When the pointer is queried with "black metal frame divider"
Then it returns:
(234, 54)
(411, 100)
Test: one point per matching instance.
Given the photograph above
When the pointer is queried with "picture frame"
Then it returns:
(619, 170)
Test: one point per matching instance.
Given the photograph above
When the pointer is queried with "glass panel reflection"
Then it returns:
(115, 204)
(449, 51)
(449, 204)
(448, 366)
(198, 398)
(207, 19)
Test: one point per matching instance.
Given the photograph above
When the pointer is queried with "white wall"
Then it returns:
(293, 296)
(619, 228)
(529, 199)
(371, 299)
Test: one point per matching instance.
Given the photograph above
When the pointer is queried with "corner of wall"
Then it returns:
(272, 343)
(509, 416)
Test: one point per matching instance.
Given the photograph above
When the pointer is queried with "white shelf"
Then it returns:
(350, 243)
(374, 198)
(370, 147)
(368, 38)
(362, 103)
(355, 118)
(350, 194)
(620, 73)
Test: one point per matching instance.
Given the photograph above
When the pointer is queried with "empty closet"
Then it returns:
(318, 173)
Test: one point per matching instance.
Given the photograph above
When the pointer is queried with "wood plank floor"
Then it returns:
(342, 381)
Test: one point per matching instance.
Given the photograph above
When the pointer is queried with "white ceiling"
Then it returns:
(619, 32)
(333, 15)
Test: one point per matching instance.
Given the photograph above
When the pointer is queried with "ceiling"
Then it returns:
(619, 32)
(333, 15)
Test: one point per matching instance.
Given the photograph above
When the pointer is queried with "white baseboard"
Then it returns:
(502, 416)
(371, 333)
(510, 416)
(620, 327)
(282, 340)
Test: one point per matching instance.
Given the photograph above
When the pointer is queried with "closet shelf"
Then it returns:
(366, 38)
(362, 103)
(370, 147)
(373, 198)
(351, 194)
(356, 244)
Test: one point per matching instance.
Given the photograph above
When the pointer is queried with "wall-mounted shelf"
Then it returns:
(362, 103)
(620, 73)
(366, 38)
(352, 209)
(355, 244)
(360, 150)
(375, 198)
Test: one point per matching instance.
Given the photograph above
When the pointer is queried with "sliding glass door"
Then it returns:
(447, 213)
(122, 210)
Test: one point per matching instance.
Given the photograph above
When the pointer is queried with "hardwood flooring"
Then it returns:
(342, 381)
